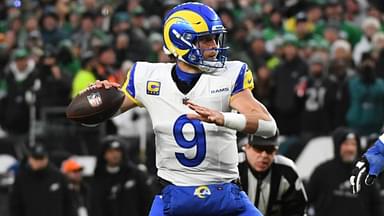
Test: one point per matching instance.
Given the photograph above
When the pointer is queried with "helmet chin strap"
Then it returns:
(209, 67)
(204, 65)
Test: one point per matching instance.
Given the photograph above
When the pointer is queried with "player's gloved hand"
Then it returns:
(358, 173)
(369, 167)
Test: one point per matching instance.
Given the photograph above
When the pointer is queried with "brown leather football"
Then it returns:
(95, 105)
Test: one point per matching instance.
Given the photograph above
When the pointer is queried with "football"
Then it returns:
(95, 105)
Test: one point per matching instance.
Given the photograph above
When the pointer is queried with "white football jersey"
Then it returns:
(189, 152)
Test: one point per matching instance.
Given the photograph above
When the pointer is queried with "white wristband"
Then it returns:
(234, 121)
(266, 128)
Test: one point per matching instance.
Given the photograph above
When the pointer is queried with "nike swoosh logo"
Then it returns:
(249, 81)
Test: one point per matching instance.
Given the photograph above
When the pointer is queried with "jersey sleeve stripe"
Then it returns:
(131, 80)
(134, 100)
(244, 80)
(129, 86)
(239, 81)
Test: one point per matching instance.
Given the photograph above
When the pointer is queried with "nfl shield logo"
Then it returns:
(94, 99)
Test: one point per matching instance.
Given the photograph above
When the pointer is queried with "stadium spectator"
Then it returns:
(273, 29)
(370, 26)
(333, 196)
(13, 32)
(121, 46)
(19, 80)
(264, 86)
(257, 50)
(373, 11)
(39, 188)
(341, 50)
(378, 53)
(337, 98)
(50, 30)
(55, 83)
(118, 188)
(312, 90)
(331, 32)
(333, 13)
(271, 181)
(19, 76)
(303, 29)
(156, 44)
(87, 36)
(366, 110)
(68, 63)
(86, 75)
(78, 189)
(106, 60)
(286, 76)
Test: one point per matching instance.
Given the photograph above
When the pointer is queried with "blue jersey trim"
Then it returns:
(239, 84)
(131, 86)
(186, 77)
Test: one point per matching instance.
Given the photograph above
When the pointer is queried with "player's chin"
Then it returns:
(210, 55)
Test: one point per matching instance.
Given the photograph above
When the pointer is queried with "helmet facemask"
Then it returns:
(196, 55)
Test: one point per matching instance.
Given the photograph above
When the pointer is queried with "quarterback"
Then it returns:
(369, 166)
(196, 106)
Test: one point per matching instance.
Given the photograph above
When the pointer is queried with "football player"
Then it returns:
(369, 166)
(196, 107)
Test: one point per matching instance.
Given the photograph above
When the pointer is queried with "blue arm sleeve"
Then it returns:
(375, 157)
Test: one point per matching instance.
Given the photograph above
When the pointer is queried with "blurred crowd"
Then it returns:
(317, 65)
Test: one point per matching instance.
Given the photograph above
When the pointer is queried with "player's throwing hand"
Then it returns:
(105, 84)
(205, 114)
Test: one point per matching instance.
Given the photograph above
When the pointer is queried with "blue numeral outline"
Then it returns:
(198, 140)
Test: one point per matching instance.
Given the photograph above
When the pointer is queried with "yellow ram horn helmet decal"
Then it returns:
(195, 20)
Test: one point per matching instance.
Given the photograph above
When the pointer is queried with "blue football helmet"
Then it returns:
(184, 25)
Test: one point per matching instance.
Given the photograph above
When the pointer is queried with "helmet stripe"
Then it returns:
(197, 22)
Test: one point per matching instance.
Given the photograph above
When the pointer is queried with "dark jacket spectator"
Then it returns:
(286, 77)
(39, 188)
(20, 77)
(337, 99)
(332, 196)
(312, 90)
(118, 188)
(55, 83)
(366, 111)
(50, 30)
(78, 189)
